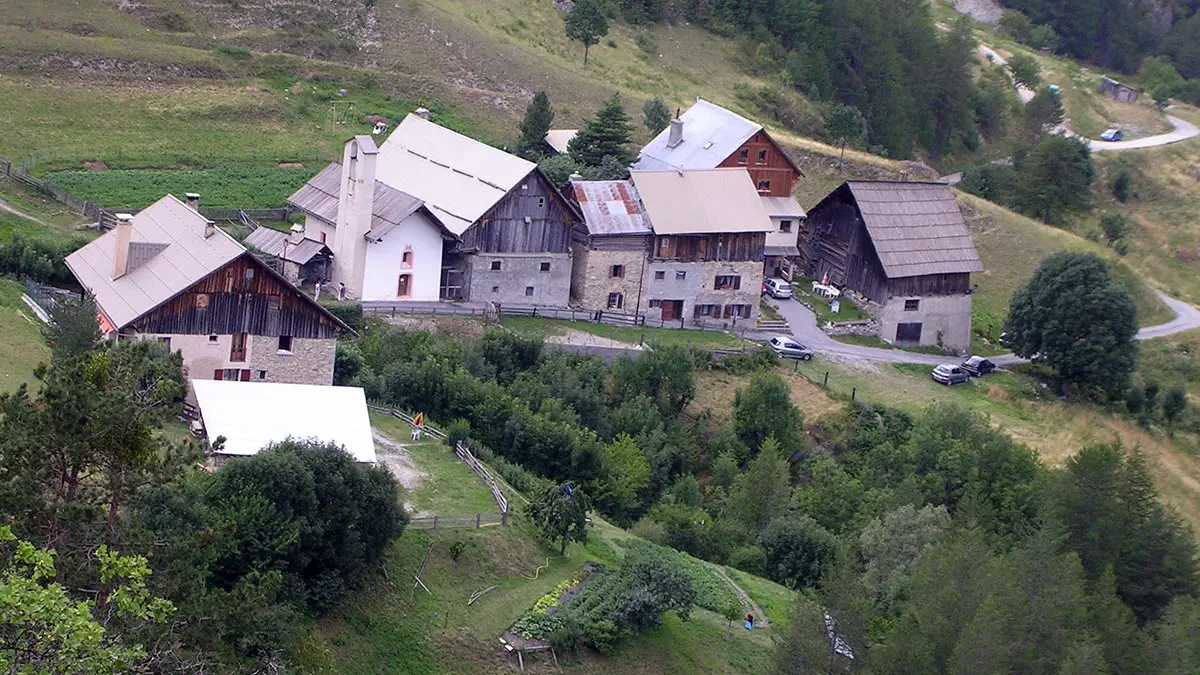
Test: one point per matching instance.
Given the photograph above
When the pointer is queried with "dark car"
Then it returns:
(977, 366)
(949, 374)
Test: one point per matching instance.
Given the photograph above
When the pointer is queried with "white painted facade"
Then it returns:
(778, 236)
(319, 230)
(412, 249)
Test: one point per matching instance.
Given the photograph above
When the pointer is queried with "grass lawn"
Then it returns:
(769, 313)
(878, 342)
(21, 344)
(449, 487)
(529, 325)
(847, 310)
(56, 220)
(253, 187)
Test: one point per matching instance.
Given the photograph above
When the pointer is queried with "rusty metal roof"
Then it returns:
(917, 228)
(709, 201)
(610, 207)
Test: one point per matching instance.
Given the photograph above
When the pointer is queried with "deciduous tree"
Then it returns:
(586, 23)
(655, 115)
(560, 512)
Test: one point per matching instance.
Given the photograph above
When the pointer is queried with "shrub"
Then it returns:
(349, 311)
(347, 363)
(748, 559)
(647, 44)
(1122, 184)
(240, 53)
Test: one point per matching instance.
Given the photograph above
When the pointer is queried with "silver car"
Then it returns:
(777, 288)
(950, 374)
(788, 348)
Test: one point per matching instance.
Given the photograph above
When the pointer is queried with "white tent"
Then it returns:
(252, 415)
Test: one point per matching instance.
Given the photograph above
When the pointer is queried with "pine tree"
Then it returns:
(1115, 629)
(538, 118)
(605, 135)
(655, 115)
(586, 23)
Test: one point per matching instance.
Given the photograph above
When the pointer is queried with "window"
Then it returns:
(764, 186)
(660, 275)
(655, 303)
(495, 265)
(706, 310)
(744, 156)
(785, 226)
(541, 202)
(912, 305)
(495, 289)
(545, 267)
(260, 375)
(249, 272)
(237, 350)
(680, 275)
(285, 344)
(617, 272)
(404, 286)
(406, 259)
(322, 237)
(166, 341)
(529, 291)
(232, 374)
(724, 282)
(213, 339)
(737, 311)
(616, 300)
(762, 157)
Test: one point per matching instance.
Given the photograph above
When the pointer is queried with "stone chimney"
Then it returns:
(356, 203)
(422, 112)
(193, 201)
(121, 252)
(675, 136)
(297, 235)
(210, 228)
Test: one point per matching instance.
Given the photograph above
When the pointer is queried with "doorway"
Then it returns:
(672, 310)
(908, 334)
(404, 288)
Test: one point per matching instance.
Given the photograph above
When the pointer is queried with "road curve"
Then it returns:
(1183, 130)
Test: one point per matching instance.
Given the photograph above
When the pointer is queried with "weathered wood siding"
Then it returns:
(838, 244)
(241, 297)
(930, 284)
(632, 242)
(532, 218)
(774, 167)
(710, 247)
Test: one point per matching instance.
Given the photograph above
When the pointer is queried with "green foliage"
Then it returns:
(1025, 70)
(1076, 319)
(37, 259)
(73, 331)
(764, 409)
(761, 494)
(347, 363)
(559, 168)
(1160, 78)
(586, 23)
(1114, 226)
(239, 53)
(1174, 404)
(560, 513)
(1122, 184)
(798, 552)
(648, 45)
(655, 115)
(1054, 179)
(247, 187)
(654, 583)
(46, 630)
(534, 126)
(1043, 113)
(607, 134)
(663, 374)
(893, 544)
(624, 474)
(1016, 25)
(845, 123)
(349, 311)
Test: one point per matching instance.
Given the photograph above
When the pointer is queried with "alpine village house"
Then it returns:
(676, 246)
(170, 274)
(904, 247)
(434, 215)
(708, 136)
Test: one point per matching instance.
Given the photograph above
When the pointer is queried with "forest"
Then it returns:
(867, 512)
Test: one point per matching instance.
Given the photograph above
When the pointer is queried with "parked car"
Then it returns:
(949, 374)
(788, 348)
(1112, 135)
(977, 366)
(777, 288)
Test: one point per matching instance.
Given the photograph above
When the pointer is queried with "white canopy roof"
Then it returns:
(252, 415)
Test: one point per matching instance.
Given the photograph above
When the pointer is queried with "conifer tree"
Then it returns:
(605, 135)
(538, 118)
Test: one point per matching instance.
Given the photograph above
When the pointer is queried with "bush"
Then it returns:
(349, 311)
(748, 559)
(240, 53)
(347, 363)
(647, 44)
(1122, 185)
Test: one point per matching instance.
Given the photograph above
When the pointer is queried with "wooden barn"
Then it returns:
(905, 247)
(168, 274)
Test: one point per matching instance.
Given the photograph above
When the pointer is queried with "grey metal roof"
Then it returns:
(917, 228)
(782, 207)
(275, 242)
(710, 135)
(610, 207)
(708, 201)
(781, 251)
(559, 138)
(320, 195)
(183, 257)
(457, 177)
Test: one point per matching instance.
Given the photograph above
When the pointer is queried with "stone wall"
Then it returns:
(945, 320)
(696, 287)
(594, 280)
(519, 272)
(866, 328)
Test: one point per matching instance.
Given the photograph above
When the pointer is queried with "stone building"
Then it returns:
(904, 246)
(611, 248)
(169, 274)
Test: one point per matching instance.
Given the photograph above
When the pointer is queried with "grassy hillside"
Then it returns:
(379, 631)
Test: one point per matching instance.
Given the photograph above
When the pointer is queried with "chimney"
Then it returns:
(297, 234)
(193, 201)
(121, 253)
(356, 203)
(575, 177)
(210, 228)
(676, 134)
(422, 112)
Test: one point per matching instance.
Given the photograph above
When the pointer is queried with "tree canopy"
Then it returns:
(586, 23)
(607, 134)
(534, 126)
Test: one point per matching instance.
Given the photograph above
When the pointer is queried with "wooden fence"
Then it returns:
(464, 453)
(477, 521)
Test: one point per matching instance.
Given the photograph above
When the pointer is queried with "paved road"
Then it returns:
(1183, 131)
(1186, 318)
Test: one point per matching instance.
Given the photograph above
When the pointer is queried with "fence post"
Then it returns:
(853, 392)
(826, 382)
(504, 518)
(435, 522)
(478, 516)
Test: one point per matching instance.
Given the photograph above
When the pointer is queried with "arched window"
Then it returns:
(404, 288)
(406, 258)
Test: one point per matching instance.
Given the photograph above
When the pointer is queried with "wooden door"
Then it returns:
(672, 309)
